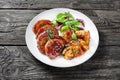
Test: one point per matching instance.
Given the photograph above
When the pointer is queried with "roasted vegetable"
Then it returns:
(72, 51)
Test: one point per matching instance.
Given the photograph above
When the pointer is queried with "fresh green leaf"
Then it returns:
(74, 36)
(60, 15)
(74, 24)
(64, 28)
(62, 19)
(68, 21)
(77, 24)
(69, 15)
(75, 29)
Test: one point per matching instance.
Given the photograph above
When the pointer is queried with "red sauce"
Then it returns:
(53, 48)
(40, 24)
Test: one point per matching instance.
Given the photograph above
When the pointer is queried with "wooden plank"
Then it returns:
(113, 16)
(13, 25)
(16, 62)
(76, 4)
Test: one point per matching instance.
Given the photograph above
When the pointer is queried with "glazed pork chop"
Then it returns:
(49, 28)
(40, 24)
(53, 48)
(41, 41)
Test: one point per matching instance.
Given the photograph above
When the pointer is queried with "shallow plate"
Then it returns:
(60, 61)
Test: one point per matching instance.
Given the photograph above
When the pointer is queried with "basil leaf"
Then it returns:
(62, 20)
(60, 15)
(69, 15)
(64, 28)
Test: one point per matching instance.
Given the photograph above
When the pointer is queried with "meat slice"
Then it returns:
(41, 41)
(40, 24)
(53, 48)
(48, 28)
(59, 37)
(44, 37)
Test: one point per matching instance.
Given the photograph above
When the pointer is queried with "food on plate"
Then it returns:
(72, 51)
(84, 45)
(49, 29)
(66, 21)
(40, 24)
(63, 36)
(74, 42)
(41, 41)
(45, 35)
(83, 34)
(67, 35)
(54, 47)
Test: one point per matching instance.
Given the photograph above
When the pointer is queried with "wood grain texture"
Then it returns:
(13, 24)
(76, 4)
(16, 62)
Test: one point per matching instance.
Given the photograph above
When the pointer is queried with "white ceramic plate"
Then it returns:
(60, 61)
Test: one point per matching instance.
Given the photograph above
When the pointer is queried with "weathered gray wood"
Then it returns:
(13, 24)
(16, 62)
(77, 4)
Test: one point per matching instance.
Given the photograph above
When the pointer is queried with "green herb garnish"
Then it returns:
(50, 33)
(51, 36)
(68, 48)
(75, 51)
(74, 37)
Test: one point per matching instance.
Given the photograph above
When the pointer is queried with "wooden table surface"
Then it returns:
(16, 61)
